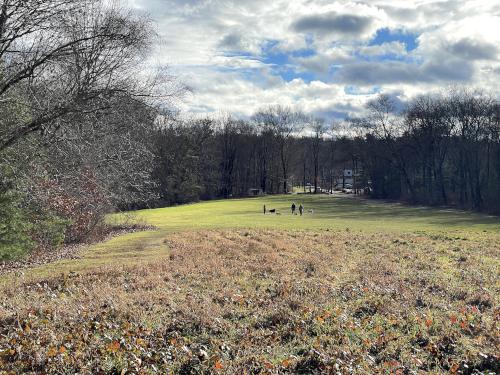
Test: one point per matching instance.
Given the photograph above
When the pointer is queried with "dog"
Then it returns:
(311, 211)
(272, 211)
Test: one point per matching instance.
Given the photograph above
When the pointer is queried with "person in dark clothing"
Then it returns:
(264, 209)
(293, 208)
(301, 209)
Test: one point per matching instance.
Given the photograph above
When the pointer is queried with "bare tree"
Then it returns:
(117, 146)
(331, 135)
(387, 126)
(283, 123)
(60, 57)
(228, 135)
(430, 127)
(472, 113)
(318, 128)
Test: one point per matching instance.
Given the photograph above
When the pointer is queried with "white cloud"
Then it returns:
(223, 50)
(324, 60)
(229, 92)
(390, 48)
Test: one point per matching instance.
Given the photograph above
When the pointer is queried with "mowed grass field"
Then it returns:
(356, 287)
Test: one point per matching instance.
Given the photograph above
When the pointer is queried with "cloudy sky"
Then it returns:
(325, 57)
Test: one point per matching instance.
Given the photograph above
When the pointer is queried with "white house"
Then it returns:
(346, 177)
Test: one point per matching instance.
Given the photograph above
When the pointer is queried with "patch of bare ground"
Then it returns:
(70, 251)
(270, 302)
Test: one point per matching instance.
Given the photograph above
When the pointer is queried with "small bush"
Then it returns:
(79, 209)
(48, 230)
(25, 224)
(15, 240)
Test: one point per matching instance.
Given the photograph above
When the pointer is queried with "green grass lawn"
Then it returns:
(337, 211)
(330, 212)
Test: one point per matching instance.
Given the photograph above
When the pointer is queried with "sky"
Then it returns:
(326, 58)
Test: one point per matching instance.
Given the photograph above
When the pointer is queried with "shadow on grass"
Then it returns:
(355, 208)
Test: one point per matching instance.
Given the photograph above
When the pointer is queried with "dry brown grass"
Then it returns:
(262, 301)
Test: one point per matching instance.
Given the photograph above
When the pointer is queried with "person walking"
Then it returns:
(293, 208)
(301, 209)
(264, 209)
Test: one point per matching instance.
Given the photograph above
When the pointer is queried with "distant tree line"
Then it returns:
(226, 157)
(438, 150)
(441, 150)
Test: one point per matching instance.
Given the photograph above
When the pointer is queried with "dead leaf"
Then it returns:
(52, 352)
(268, 365)
(113, 346)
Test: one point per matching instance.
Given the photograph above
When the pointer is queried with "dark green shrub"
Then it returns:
(15, 227)
(48, 230)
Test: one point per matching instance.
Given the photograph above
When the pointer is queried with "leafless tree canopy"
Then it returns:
(78, 105)
(282, 123)
(60, 57)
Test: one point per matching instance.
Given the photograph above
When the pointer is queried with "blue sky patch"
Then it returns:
(281, 64)
(355, 90)
(387, 35)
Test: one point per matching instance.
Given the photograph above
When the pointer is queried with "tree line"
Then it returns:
(437, 150)
(440, 150)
